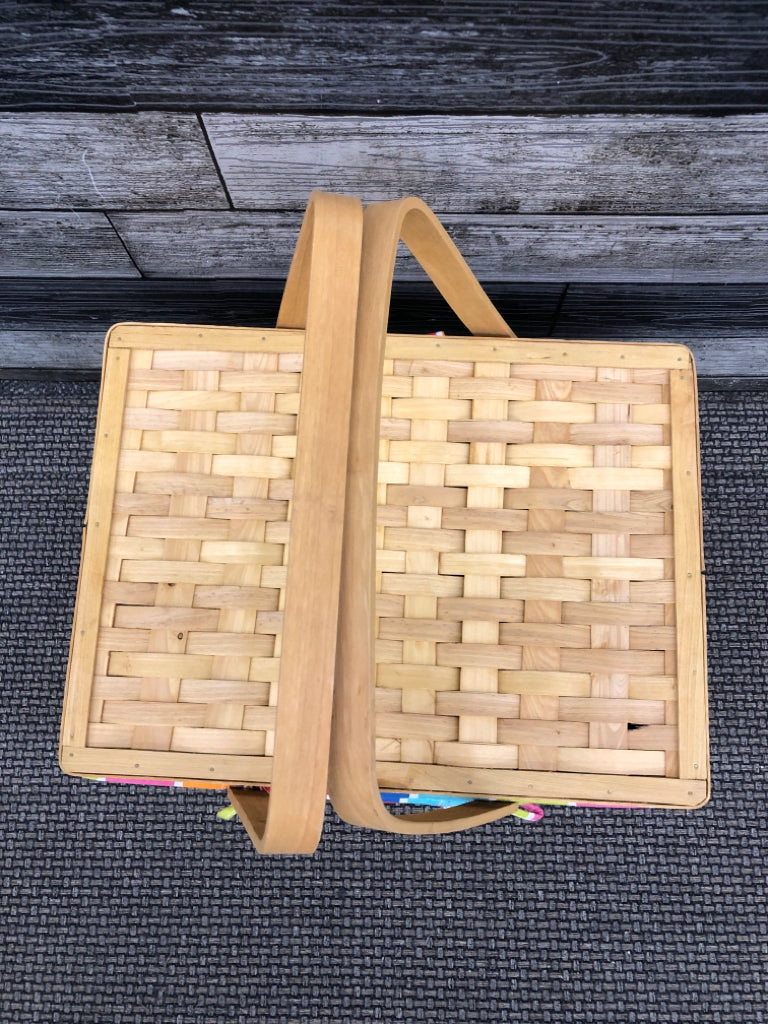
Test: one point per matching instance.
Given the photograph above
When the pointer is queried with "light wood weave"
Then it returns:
(539, 602)
(212, 553)
(191, 619)
(526, 565)
(187, 657)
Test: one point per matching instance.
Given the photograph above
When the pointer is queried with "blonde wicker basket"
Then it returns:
(522, 605)
(328, 558)
(205, 629)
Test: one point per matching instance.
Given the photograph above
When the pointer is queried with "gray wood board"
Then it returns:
(498, 248)
(71, 349)
(106, 161)
(638, 164)
(544, 56)
(653, 312)
(56, 325)
(726, 326)
(50, 304)
(43, 244)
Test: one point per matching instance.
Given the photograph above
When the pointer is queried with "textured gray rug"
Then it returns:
(130, 904)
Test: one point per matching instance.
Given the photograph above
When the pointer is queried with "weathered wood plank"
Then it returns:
(61, 324)
(56, 350)
(640, 164)
(545, 56)
(624, 249)
(725, 326)
(106, 161)
(55, 305)
(210, 244)
(61, 245)
(519, 248)
(656, 312)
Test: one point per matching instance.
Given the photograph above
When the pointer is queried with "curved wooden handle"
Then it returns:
(352, 777)
(321, 295)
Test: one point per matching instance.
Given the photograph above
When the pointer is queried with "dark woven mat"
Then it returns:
(130, 904)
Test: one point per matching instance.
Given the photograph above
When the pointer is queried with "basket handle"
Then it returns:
(352, 778)
(321, 295)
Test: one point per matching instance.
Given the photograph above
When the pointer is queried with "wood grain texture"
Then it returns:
(606, 248)
(50, 304)
(87, 618)
(693, 724)
(45, 322)
(187, 433)
(49, 322)
(543, 57)
(57, 351)
(588, 652)
(80, 245)
(498, 248)
(536, 636)
(101, 161)
(658, 312)
(725, 326)
(61, 324)
(636, 164)
(618, 553)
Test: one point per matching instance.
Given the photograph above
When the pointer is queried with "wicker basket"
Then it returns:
(213, 544)
(524, 616)
(504, 535)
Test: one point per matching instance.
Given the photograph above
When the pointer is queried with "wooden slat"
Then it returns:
(57, 351)
(618, 762)
(415, 726)
(532, 732)
(46, 322)
(61, 323)
(167, 764)
(685, 57)
(213, 348)
(94, 558)
(228, 244)
(422, 677)
(724, 325)
(592, 247)
(478, 703)
(558, 785)
(222, 690)
(132, 712)
(88, 306)
(476, 755)
(611, 709)
(533, 360)
(689, 589)
(219, 741)
(606, 661)
(631, 248)
(63, 244)
(622, 164)
(106, 161)
(653, 737)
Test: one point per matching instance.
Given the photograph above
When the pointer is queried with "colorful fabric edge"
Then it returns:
(168, 783)
(527, 811)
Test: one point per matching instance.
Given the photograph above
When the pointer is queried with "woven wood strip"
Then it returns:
(525, 570)
(191, 620)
